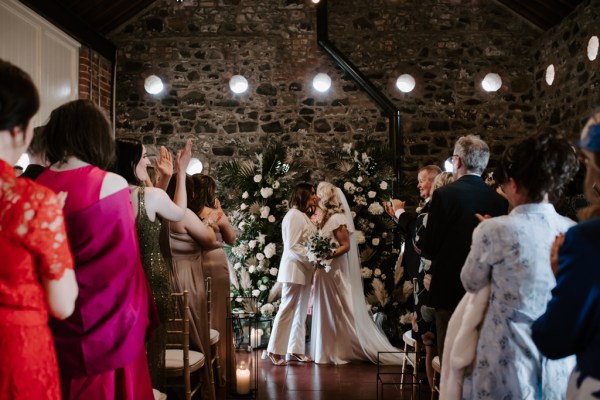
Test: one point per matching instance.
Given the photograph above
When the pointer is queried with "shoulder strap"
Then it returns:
(141, 201)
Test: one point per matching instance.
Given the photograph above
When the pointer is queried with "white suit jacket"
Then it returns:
(296, 227)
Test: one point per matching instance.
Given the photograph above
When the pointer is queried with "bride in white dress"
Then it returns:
(342, 327)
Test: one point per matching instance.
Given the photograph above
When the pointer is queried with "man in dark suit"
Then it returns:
(451, 221)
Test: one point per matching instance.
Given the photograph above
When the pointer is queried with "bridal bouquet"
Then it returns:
(319, 250)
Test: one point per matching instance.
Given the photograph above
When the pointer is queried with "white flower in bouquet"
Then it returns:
(262, 288)
(347, 147)
(261, 238)
(252, 244)
(383, 276)
(271, 218)
(266, 192)
(240, 251)
(361, 200)
(260, 256)
(260, 266)
(359, 179)
(276, 185)
(376, 208)
(375, 241)
(377, 272)
(264, 211)
(359, 189)
(383, 185)
(270, 250)
(372, 194)
(366, 272)
(360, 237)
(349, 187)
(406, 318)
(237, 266)
(243, 206)
(384, 234)
(319, 249)
(257, 178)
(252, 269)
(245, 195)
(241, 225)
(273, 271)
(267, 310)
(256, 293)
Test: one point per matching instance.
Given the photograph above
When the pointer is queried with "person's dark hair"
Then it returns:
(300, 197)
(37, 147)
(19, 99)
(129, 154)
(205, 190)
(190, 188)
(80, 129)
(541, 164)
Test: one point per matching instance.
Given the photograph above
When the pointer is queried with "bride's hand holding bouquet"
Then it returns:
(319, 250)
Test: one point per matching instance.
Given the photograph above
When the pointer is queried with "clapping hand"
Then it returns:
(183, 157)
(165, 162)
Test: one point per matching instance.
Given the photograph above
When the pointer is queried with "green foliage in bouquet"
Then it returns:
(259, 188)
(365, 177)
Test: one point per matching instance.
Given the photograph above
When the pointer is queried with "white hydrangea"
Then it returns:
(375, 241)
(372, 194)
(360, 237)
(270, 250)
(376, 208)
(245, 195)
(361, 200)
(383, 185)
(257, 178)
(266, 192)
(271, 219)
(276, 185)
(240, 251)
(273, 271)
(366, 273)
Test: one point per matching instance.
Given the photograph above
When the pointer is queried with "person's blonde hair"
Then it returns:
(328, 199)
(441, 179)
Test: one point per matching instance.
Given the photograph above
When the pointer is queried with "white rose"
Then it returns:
(271, 219)
(262, 288)
(383, 185)
(266, 192)
(257, 178)
(243, 206)
(260, 256)
(273, 271)
(349, 187)
(276, 185)
(359, 179)
(267, 309)
(245, 195)
(264, 211)
(375, 241)
(252, 269)
(256, 293)
(252, 244)
(371, 194)
(270, 250)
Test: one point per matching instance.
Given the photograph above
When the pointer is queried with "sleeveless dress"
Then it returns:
(100, 348)
(33, 245)
(157, 274)
(214, 265)
(183, 256)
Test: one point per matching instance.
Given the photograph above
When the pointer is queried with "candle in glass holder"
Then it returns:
(255, 337)
(242, 378)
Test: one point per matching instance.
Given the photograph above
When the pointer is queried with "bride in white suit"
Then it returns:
(295, 274)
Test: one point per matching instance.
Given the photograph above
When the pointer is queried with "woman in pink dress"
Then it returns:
(36, 273)
(100, 348)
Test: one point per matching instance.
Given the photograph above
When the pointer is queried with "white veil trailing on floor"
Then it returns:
(371, 338)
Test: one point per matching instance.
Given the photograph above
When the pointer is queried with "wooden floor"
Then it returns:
(355, 381)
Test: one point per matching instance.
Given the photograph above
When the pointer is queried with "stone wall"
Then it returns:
(448, 45)
(575, 93)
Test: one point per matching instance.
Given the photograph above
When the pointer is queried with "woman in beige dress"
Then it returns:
(181, 244)
(214, 261)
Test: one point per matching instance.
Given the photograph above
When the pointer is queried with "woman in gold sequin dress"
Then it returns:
(214, 261)
(149, 203)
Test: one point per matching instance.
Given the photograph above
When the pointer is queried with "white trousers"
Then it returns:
(289, 329)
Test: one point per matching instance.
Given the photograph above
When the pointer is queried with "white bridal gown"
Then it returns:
(342, 327)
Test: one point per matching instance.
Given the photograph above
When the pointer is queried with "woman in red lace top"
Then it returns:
(36, 272)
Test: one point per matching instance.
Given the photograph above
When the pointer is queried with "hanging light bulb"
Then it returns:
(405, 83)
(238, 84)
(153, 84)
(322, 82)
(492, 82)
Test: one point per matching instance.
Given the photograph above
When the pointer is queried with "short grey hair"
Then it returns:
(473, 152)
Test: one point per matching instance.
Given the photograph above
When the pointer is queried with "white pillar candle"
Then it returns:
(255, 337)
(242, 376)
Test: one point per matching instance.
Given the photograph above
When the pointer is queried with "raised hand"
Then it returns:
(165, 162)
(183, 157)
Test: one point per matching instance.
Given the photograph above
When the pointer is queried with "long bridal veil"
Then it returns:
(371, 339)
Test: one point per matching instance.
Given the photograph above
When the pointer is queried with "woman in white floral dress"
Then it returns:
(512, 254)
